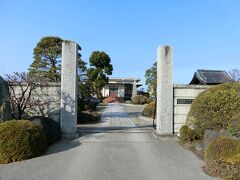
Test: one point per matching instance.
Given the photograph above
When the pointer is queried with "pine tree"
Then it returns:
(101, 66)
(47, 59)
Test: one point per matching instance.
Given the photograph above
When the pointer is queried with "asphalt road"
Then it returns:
(119, 147)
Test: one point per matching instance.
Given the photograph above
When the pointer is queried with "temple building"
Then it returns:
(210, 77)
(121, 87)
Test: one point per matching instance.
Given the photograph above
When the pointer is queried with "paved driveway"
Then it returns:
(119, 147)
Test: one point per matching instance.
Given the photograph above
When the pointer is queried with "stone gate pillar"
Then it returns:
(164, 90)
(68, 120)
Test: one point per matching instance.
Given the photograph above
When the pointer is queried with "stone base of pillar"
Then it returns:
(69, 136)
(162, 135)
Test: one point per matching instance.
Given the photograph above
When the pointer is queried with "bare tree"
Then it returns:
(235, 74)
(21, 86)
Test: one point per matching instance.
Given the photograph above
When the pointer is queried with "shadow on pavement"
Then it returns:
(121, 114)
(61, 146)
(82, 131)
(120, 117)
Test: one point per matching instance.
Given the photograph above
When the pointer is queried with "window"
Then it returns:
(128, 90)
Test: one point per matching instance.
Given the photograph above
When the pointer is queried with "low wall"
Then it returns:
(48, 99)
(183, 97)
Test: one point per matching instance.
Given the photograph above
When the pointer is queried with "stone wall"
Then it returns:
(183, 97)
(49, 97)
(5, 108)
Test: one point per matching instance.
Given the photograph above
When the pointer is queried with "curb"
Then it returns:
(145, 118)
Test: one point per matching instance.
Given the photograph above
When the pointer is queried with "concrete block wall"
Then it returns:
(180, 110)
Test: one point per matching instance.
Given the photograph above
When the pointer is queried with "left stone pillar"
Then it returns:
(68, 120)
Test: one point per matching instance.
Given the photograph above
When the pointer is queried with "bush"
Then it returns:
(113, 99)
(90, 106)
(21, 140)
(88, 117)
(187, 134)
(139, 99)
(150, 100)
(149, 110)
(87, 106)
(49, 126)
(213, 108)
(223, 156)
(234, 125)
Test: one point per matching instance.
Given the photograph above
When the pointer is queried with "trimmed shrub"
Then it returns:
(213, 108)
(149, 110)
(88, 117)
(90, 106)
(187, 134)
(139, 99)
(21, 140)
(234, 125)
(87, 106)
(113, 99)
(49, 126)
(150, 99)
(223, 156)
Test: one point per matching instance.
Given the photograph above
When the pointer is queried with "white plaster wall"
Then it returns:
(105, 91)
(49, 97)
(181, 110)
(121, 90)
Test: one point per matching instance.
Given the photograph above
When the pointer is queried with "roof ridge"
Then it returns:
(211, 70)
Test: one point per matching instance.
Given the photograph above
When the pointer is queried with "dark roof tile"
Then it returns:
(210, 77)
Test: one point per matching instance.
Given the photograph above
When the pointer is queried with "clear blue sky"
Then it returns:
(205, 34)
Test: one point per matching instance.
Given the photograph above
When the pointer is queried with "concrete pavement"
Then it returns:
(119, 147)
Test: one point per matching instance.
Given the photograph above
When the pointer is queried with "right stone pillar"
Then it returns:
(164, 90)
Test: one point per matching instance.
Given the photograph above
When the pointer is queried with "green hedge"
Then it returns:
(213, 108)
(87, 106)
(21, 140)
(88, 117)
(234, 125)
(223, 156)
(139, 99)
(187, 134)
(149, 110)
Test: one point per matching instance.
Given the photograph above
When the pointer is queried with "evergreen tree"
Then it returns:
(47, 54)
(47, 59)
(151, 79)
(101, 66)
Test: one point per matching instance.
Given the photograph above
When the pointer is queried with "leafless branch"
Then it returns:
(20, 99)
(235, 74)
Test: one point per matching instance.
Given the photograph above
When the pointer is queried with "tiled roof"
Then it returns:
(210, 77)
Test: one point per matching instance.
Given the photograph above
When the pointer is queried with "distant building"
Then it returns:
(121, 87)
(210, 77)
